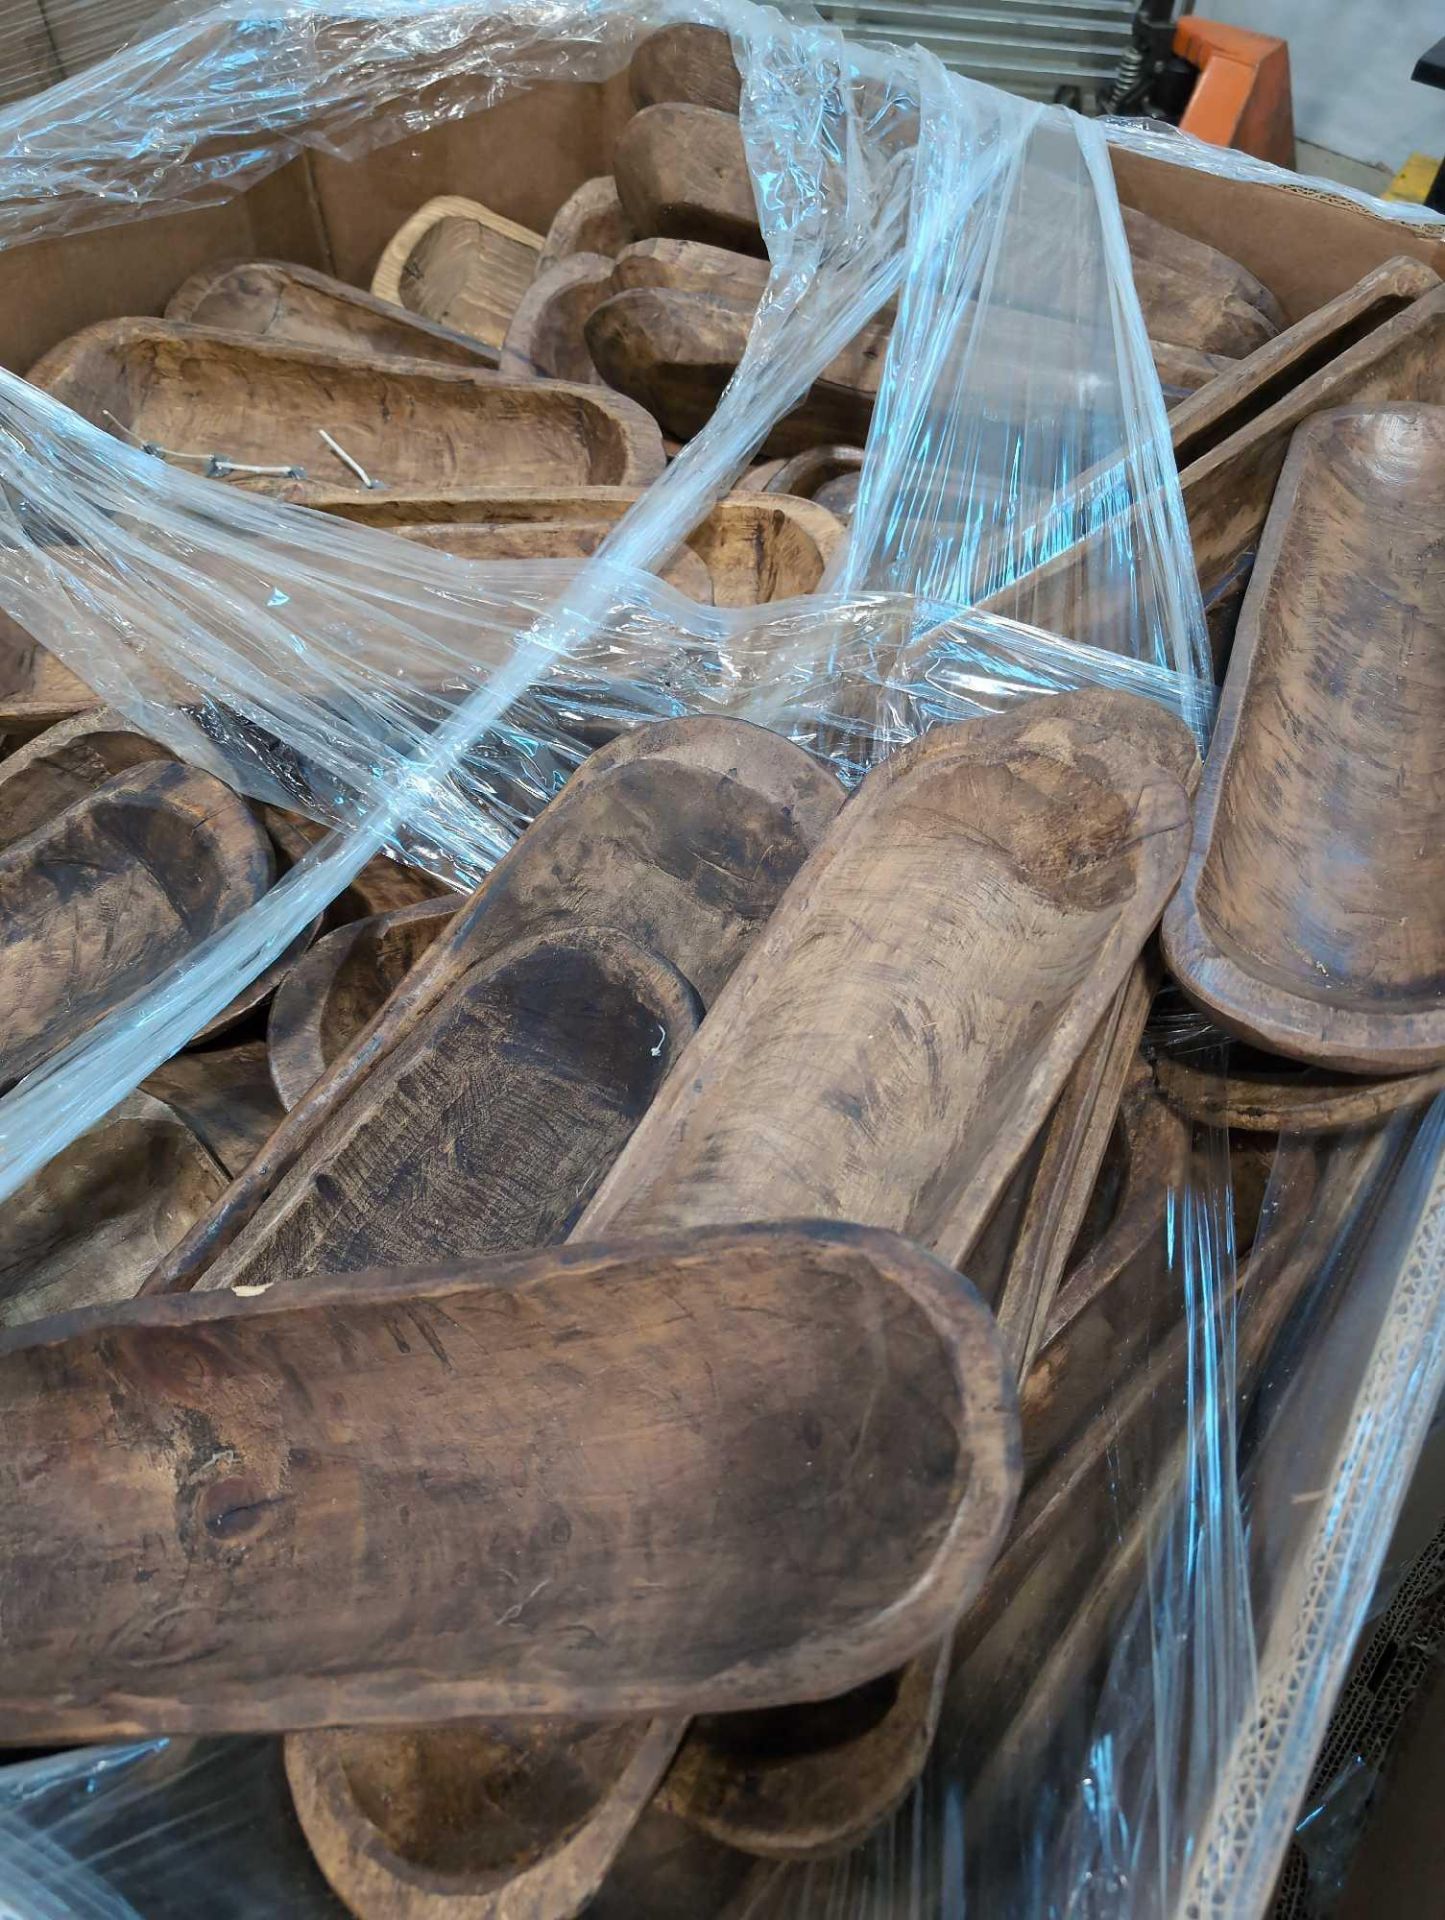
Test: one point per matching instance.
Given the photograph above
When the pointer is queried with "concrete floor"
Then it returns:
(1337, 166)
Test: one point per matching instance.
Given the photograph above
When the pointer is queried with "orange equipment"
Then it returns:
(1242, 97)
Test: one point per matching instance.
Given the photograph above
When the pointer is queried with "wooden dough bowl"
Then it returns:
(754, 548)
(61, 766)
(225, 1096)
(590, 220)
(1259, 1093)
(807, 1045)
(89, 1227)
(545, 336)
(1311, 918)
(407, 423)
(459, 265)
(340, 986)
(682, 173)
(686, 62)
(255, 1514)
(100, 897)
(36, 687)
(298, 307)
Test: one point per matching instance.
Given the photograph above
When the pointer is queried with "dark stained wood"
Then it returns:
(1195, 296)
(681, 837)
(689, 63)
(523, 539)
(545, 337)
(296, 306)
(225, 1096)
(194, 391)
(1262, 1094)
(340, 986)
(754, 550)
(813, 1040)
(682, 174)
(489, 1125)
(1311, 919)
(1273, 370)
(330, 1520)
(854, 1067)
(459, 265)
(674, 353)
(63, 764)
(590, 220)
(95, 901)
(89, 1227)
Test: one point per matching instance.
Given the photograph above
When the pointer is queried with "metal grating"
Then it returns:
(1030, 47)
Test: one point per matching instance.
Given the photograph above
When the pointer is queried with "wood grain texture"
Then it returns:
(689, 63)
(673, 353)
(96, 1218)
(1244, 391)
(1311, 918)
(64, 763)
(1228, 488)
(196, 391)
(1062, 833)
(225, 1096)
(545, 336)
(491, 1122)
(97, 899)
(459, 265)
(1195, 296)
(590, 220)
(851, 1069)
(1184, 370)
(682, 174)
(754, 550)
(519, 539)
(296, 306)
(1259, 1093)
(340, 986)
(723, 1393)
(681, 837)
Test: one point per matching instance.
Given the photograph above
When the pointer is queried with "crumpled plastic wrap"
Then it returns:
(1146, 1753)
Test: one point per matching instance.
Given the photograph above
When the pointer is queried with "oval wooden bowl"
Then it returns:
(682, 174)
(341, 984)
(406, 422)
(295, 306)
(545, 336)
(459, 265)
(590, 220)
(1311, 918)
(732, 1505)
(674, 353)
(94, 1221)
(1195, 296)
(1260, 1094)
(754, 549)
(95, 901)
